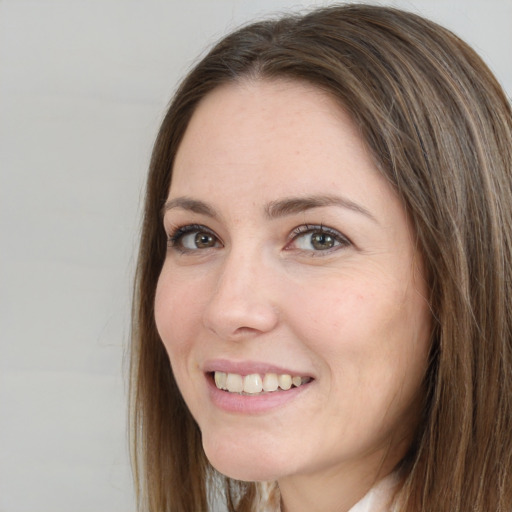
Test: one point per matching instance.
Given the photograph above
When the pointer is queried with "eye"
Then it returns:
(317, 238)
(192, 238)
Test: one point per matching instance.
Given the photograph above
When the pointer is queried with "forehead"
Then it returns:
(258, 131)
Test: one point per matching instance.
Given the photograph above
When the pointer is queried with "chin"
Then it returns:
(249, 464)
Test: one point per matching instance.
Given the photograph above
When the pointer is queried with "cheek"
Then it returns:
(177, 318)
(371, 333)
(177, 310)
(336, 316)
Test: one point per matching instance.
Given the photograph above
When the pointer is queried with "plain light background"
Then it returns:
(83, 87)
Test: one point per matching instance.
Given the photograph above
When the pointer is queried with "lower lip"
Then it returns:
(252, 404)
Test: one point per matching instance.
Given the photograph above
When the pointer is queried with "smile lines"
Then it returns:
(254, 383)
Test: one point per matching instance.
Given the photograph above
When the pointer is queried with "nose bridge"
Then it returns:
(242, 302)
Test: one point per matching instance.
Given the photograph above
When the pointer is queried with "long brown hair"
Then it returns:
(440, 129)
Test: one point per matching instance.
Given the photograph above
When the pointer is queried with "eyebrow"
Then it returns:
(274, 209)
(193, 205)
(292, 205)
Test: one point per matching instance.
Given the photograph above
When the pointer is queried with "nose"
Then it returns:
(242, 304)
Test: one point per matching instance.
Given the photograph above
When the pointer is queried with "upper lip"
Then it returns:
(249, 367)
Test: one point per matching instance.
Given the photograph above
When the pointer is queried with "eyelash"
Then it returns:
(304, 229)
(175, 238)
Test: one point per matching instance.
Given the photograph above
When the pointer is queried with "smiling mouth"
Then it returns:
(256, 384)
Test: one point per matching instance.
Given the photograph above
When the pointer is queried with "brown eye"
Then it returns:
(193, 238)
(204, 240)
(318, 239)
(322, 241)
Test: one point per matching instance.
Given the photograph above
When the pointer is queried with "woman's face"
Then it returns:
(293, 280)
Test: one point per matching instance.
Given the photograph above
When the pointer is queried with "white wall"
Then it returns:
(83, 85)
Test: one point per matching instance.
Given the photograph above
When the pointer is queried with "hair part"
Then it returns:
(439, 128)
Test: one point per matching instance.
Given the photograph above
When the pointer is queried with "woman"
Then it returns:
(321, 307)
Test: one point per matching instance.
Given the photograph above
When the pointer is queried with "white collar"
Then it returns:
(377, 499)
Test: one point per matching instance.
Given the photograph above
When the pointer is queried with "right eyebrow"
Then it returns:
(193, 205)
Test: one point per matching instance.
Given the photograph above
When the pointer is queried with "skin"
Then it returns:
(352, 316)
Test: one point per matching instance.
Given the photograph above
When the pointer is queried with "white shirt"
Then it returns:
(377, 499)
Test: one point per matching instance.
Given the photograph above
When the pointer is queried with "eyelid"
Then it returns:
(177, 232)
(304, 229)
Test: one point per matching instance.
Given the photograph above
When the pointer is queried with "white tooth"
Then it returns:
(253, 384)
(220, 380)
(297, 381)
(285, 382)
(270, 382)
(234, 383)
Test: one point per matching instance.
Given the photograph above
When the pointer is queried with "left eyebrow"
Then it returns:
(293, 205)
